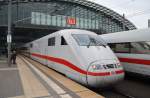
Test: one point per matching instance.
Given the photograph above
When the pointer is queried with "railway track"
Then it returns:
(113, 93)
(129, 88)
(122, 94)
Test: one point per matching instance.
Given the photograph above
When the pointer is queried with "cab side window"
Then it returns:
(31, 45)
(123, 48)
(63, 41)
(51, 41)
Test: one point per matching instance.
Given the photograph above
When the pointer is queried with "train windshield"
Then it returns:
(89, 40)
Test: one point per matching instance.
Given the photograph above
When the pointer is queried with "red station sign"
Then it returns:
(71, 21)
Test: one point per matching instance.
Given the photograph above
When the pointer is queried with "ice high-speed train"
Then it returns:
(80, 55)
(133, 50)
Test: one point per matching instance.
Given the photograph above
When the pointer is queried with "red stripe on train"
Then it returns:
(72, 66)
(135, 61)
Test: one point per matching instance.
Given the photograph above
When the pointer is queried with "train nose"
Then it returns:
(97, 76)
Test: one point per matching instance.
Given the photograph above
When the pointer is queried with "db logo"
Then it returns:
(71, 21)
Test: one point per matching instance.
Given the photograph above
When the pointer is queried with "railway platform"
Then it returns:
(30, 79)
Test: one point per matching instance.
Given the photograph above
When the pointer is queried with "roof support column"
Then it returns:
(9, 32)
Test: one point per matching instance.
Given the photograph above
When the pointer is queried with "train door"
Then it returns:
(59, 52)
(62, 52)
(51, 51)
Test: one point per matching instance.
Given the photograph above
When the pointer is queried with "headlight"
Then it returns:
(119, 64)
(97, 67)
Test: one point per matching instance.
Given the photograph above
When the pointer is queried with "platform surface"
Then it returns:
(28, 79)
(10, 82)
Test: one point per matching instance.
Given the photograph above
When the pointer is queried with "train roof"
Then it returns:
(75, 31)
(66, 32)
(128, 36)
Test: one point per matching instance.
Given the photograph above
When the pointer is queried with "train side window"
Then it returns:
(51, 41)
(63, 41)
(123, 48)
(140, 47)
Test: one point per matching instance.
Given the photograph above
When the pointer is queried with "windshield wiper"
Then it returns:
(89, 44)
(100, 44)
(91, 41)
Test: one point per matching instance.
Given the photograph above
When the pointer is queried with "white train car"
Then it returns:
(133, 49)
(80, 55)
